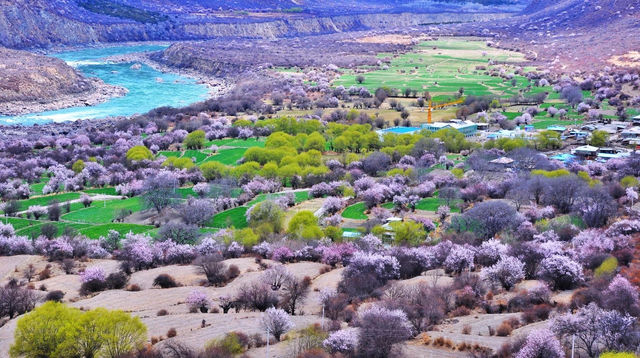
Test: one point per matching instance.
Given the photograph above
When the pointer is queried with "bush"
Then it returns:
(504, 329)
(213, 268)
(55, 296)
(171, 333)
(117, 280)
(165, 281)
(607, 267)
(162, 312)
(536, 313)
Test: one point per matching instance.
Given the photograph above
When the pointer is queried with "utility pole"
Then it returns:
(267, 352)
(573, 344)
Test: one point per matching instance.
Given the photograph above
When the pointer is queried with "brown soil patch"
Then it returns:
(630, 59)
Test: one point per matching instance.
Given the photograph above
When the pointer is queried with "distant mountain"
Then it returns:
(46, 23)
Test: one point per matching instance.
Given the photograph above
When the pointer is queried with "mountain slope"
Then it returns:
(46, 23)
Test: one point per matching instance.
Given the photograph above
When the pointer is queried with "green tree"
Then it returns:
(304, 225)
(194, 140)
(246, 237)
(408, 233)
(179, 163)
(138, 153)
(57, 331)
(268, 216)
(42, 332)
(549, 140)
(315, 141)
(214, 170)
(599, 138)
(78, 166)
(629, 181)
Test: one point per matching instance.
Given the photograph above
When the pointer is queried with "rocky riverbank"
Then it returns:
(99, 92)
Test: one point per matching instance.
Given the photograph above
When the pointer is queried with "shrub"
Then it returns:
(172, 333)
(213, 268)
(93, 280)
(607, 267)
(504, 329)
(162, 312)
(536, 313)
(56, 296)
(117, 280)
(165, 281)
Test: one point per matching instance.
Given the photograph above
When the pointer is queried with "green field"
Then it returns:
(103, 212)
(96, 231)
(103, 191)
(45, 200)
(227, 156)
(238, 143)
(442, 67)
(230, 218)
(355, 211)
(432, 204)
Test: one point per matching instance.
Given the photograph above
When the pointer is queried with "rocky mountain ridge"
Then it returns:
(43, 24)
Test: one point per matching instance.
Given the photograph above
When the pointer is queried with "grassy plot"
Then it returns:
(443, 67)
(432, 204)
(355, 211)
(96, 231)
(238, 143)
(45, 200)
(103, 212)
(103, 191)
(230, 218)
(36, 189)
(543, 124)
(34, 230)
(227, 156)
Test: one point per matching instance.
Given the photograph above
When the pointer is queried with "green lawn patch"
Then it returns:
(227, 156)
(103, 212)
(238, 143)
(34, 230)
(45, 200)
(230, 218)
(96, 231)
(355, 211)
(432, 204)
(103, 191)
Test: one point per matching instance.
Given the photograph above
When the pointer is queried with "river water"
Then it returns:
(148, 88)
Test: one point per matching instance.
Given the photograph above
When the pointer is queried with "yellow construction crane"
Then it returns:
(441, 105)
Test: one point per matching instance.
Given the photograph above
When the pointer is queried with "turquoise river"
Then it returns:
(148, 88)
